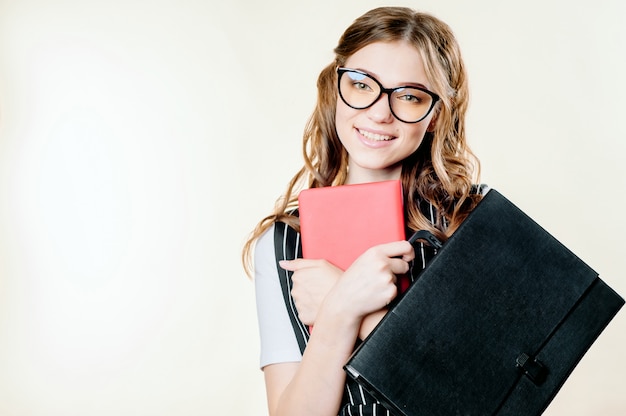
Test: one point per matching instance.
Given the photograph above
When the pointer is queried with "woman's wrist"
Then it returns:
(336, 311)
(370, 321)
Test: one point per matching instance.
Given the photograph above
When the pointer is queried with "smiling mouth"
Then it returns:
(375, 137)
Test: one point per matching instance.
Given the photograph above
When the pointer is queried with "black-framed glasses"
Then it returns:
(360, 90)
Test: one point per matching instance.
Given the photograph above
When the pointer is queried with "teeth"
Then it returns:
(374, 136)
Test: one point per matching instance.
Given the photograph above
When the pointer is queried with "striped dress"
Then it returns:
(287, 245)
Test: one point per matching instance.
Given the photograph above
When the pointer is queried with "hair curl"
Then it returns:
(441, 171)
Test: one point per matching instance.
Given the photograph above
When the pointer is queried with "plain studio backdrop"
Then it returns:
(140, 141)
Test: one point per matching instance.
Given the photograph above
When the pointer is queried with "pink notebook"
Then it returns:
(339, 223)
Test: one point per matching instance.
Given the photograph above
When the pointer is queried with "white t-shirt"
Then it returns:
(278, 341)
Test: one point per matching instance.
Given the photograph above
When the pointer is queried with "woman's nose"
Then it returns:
(380, 111)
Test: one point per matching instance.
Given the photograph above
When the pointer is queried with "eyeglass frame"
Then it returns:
(388, 91)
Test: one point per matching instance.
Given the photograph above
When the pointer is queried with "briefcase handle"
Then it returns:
(426, 236)
(403, 281)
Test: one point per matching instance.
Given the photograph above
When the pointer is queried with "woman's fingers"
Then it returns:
(298, 264)
(397, 249)
(398, 266)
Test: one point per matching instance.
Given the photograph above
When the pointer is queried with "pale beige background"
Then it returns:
(141, 140)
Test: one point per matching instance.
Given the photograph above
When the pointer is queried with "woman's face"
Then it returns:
(375, 140)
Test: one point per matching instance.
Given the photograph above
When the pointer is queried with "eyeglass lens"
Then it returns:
(408, 104)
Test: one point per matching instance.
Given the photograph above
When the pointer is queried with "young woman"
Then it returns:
(390, 106)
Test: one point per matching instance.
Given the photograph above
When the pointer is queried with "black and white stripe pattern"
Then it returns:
(287, 246)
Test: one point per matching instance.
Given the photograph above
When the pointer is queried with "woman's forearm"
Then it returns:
(370, 322)
(321, 374)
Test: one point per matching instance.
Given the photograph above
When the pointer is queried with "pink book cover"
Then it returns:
(339, 223)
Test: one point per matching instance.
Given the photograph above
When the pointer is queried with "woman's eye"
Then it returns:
(411, 98)
(361, 86)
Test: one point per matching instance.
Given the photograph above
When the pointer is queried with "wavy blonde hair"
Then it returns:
(443, 168)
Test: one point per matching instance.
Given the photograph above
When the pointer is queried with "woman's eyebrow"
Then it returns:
(414, 84)
(399, 85)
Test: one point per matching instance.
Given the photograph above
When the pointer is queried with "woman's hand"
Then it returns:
(312, 280)
(369, 284)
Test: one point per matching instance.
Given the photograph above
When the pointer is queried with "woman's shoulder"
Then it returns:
(264, 250)
(266, 238)
(266, 243)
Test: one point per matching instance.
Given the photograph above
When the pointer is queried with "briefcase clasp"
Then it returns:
(532, 368)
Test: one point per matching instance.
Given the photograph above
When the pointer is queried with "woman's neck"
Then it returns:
(359, 175)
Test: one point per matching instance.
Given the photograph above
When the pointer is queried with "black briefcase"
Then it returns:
(494, 324)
